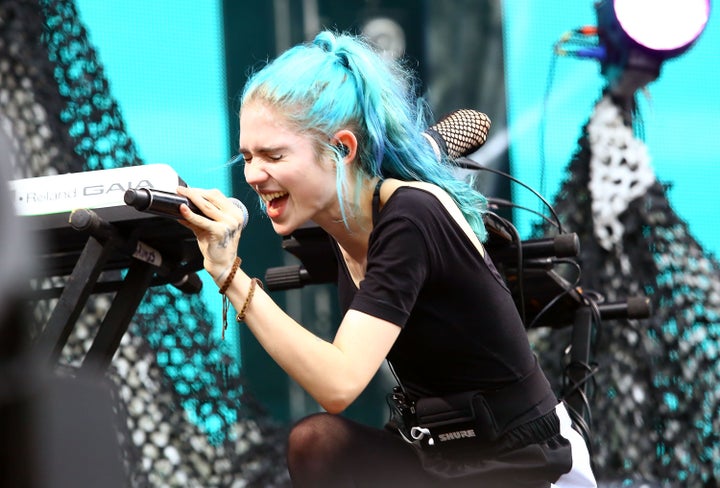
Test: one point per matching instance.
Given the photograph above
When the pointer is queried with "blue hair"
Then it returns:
(338, 81)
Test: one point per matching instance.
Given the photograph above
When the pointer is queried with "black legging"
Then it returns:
(327, 450)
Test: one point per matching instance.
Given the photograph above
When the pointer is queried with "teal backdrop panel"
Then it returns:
(165, 62)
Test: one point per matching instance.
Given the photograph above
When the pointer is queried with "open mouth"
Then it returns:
(275, 202)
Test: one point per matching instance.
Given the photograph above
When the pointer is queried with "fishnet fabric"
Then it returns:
(187, 419)
(460, 132)
(29, 100)
(656, 405)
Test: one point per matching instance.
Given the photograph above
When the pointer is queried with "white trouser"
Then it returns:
(580, 474)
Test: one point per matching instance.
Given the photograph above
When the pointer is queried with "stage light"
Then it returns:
(639, 35)
(666, 26)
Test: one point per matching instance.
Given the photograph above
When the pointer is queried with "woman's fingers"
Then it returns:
(217, 230)
(214, 205)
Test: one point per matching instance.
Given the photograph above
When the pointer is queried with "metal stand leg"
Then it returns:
(579, 370)
(118, 317)
(72, 300)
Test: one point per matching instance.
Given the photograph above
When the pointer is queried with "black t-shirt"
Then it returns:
(461, 328)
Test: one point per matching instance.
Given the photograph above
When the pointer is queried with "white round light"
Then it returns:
(662, 25)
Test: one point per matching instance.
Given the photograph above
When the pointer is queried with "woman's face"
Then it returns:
(283, 168)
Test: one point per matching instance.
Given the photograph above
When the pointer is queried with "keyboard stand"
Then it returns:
(108, 248)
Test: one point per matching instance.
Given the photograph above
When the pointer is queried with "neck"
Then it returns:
(353, 238)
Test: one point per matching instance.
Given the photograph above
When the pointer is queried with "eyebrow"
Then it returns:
(265, 150)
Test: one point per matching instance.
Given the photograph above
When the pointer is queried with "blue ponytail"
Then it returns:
(338, 81)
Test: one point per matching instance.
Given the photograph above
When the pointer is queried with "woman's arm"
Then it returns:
(334, 374)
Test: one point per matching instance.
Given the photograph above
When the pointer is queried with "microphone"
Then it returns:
(560, 246)
(287, 277)
(459, 133)
(638, 307)
(167, 204)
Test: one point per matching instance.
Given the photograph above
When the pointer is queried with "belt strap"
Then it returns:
(533, 390)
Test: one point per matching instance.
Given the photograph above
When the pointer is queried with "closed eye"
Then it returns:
(271, 158)
(247, 158)
(270, 154)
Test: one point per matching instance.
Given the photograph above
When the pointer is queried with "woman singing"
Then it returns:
(331, 132)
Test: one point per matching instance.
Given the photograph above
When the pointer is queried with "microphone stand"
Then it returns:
(580, 371)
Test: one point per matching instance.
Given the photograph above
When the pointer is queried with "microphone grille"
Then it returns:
(463, 131)
(242, 208)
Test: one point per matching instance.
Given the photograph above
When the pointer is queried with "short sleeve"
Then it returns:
(396, 271)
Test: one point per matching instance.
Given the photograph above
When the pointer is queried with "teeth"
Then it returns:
(268, 197)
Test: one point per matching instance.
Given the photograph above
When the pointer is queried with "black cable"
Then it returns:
(501, 202)
(592, 304)
(528, 187)
(543, 119)
(576, 387)
(515, 238)
(565, 292)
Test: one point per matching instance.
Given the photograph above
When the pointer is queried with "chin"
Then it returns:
(283, 229)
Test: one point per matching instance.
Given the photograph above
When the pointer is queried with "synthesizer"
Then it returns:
(51, 198)
(45, 206)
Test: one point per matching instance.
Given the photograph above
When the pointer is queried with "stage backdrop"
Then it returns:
(680, 117)
(165, 64)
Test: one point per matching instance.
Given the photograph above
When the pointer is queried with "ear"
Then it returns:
(347, 143)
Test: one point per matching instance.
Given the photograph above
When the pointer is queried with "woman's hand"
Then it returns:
(218, 232)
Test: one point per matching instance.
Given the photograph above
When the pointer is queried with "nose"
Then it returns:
(255, 174)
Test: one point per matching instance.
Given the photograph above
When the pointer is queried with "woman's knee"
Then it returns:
(315, 449)
(305, 432)
(315, 431)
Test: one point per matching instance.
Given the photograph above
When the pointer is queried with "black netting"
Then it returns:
(657, 393)
(189, 421)
(461, 132)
